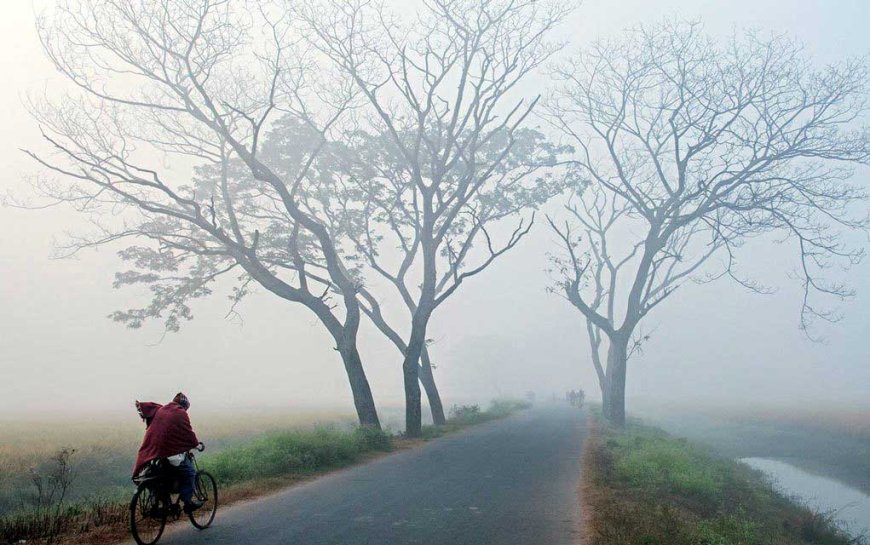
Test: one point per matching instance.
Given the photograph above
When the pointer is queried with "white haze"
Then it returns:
(502, 334)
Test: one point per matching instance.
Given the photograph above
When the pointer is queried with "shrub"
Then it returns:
(504, 407)
(464, 412)
(374, 439)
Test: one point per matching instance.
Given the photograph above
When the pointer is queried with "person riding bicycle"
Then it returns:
(169, 435)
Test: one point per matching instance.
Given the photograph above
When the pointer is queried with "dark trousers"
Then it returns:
(186, 479)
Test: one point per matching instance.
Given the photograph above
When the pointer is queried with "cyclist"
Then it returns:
(169, 434)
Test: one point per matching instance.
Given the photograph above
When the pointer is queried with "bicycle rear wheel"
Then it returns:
(147, 515)
(205, 491)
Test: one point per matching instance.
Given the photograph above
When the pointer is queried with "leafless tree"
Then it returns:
(388, 217)
(440, 96)
(53, 485)
(197, 84)
(691, 146)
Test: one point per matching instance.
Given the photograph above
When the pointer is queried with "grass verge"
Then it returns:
(463, 416)
(645, 487)
(264, 464)
(800, 437)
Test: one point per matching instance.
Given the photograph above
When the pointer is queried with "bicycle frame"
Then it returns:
(165, 484)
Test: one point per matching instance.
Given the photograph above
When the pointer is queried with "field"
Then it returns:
(645, 487)
(248, 454)
(105, 449)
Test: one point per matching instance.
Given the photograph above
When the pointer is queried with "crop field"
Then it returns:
(104, 449)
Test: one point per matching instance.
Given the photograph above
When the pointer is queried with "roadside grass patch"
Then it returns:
(244, 467)
(645, 487)
(294, 452)
(801, 437)
(461, 416)
(260, 462)
(660, 464)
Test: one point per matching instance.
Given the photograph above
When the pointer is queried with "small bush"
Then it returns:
(464, 412)
(504, 407)
(374, 439)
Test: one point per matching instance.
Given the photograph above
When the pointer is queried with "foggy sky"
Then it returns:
(500, 335)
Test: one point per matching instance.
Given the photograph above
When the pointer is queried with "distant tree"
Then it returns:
(199, 83)
(690, 147)
(439, 96)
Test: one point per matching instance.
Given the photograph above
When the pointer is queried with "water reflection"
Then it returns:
(851, 507)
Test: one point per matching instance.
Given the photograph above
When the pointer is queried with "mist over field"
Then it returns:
(714, 343)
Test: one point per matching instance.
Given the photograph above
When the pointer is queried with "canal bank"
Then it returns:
(849, 507)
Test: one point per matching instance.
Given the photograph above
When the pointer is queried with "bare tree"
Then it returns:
(53, 486)
(595, 214)
(690, 148)
(199, 83)
(388, 217)
(439, 96)
(342, 203)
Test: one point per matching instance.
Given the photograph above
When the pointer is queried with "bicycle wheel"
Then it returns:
(205, 491)
(147, 515)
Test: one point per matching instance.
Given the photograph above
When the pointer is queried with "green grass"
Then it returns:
(286, 454)
(661, 464)
(835, 444)
(294, 453)
(241, 465)
(106, 447)
(469, 415)
(646, 487)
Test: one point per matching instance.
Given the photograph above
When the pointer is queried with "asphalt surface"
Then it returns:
(512, 481)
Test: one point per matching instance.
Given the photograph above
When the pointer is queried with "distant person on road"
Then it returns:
(169, 435)
(576, 397)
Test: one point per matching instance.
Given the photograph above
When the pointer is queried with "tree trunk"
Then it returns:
(605, 390)
(617, 363)
(410, 371)
(413, 410)
(595, 346)
(605, 406)
(359, 386)
(428, 381)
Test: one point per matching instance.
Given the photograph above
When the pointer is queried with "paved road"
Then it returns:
(513, 481)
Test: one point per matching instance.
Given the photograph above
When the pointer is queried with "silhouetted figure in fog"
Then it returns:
(575, 397)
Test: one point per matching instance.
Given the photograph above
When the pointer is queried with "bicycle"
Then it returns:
(152, 503)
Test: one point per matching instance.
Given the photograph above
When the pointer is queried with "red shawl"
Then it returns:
(168, 432)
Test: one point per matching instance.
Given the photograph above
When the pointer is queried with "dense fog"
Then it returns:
(501, 334)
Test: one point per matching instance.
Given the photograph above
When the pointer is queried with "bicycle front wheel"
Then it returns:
(205, 491)
(147, 515)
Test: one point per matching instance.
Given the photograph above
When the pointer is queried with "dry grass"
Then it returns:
(591, 494)
(853, 422)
